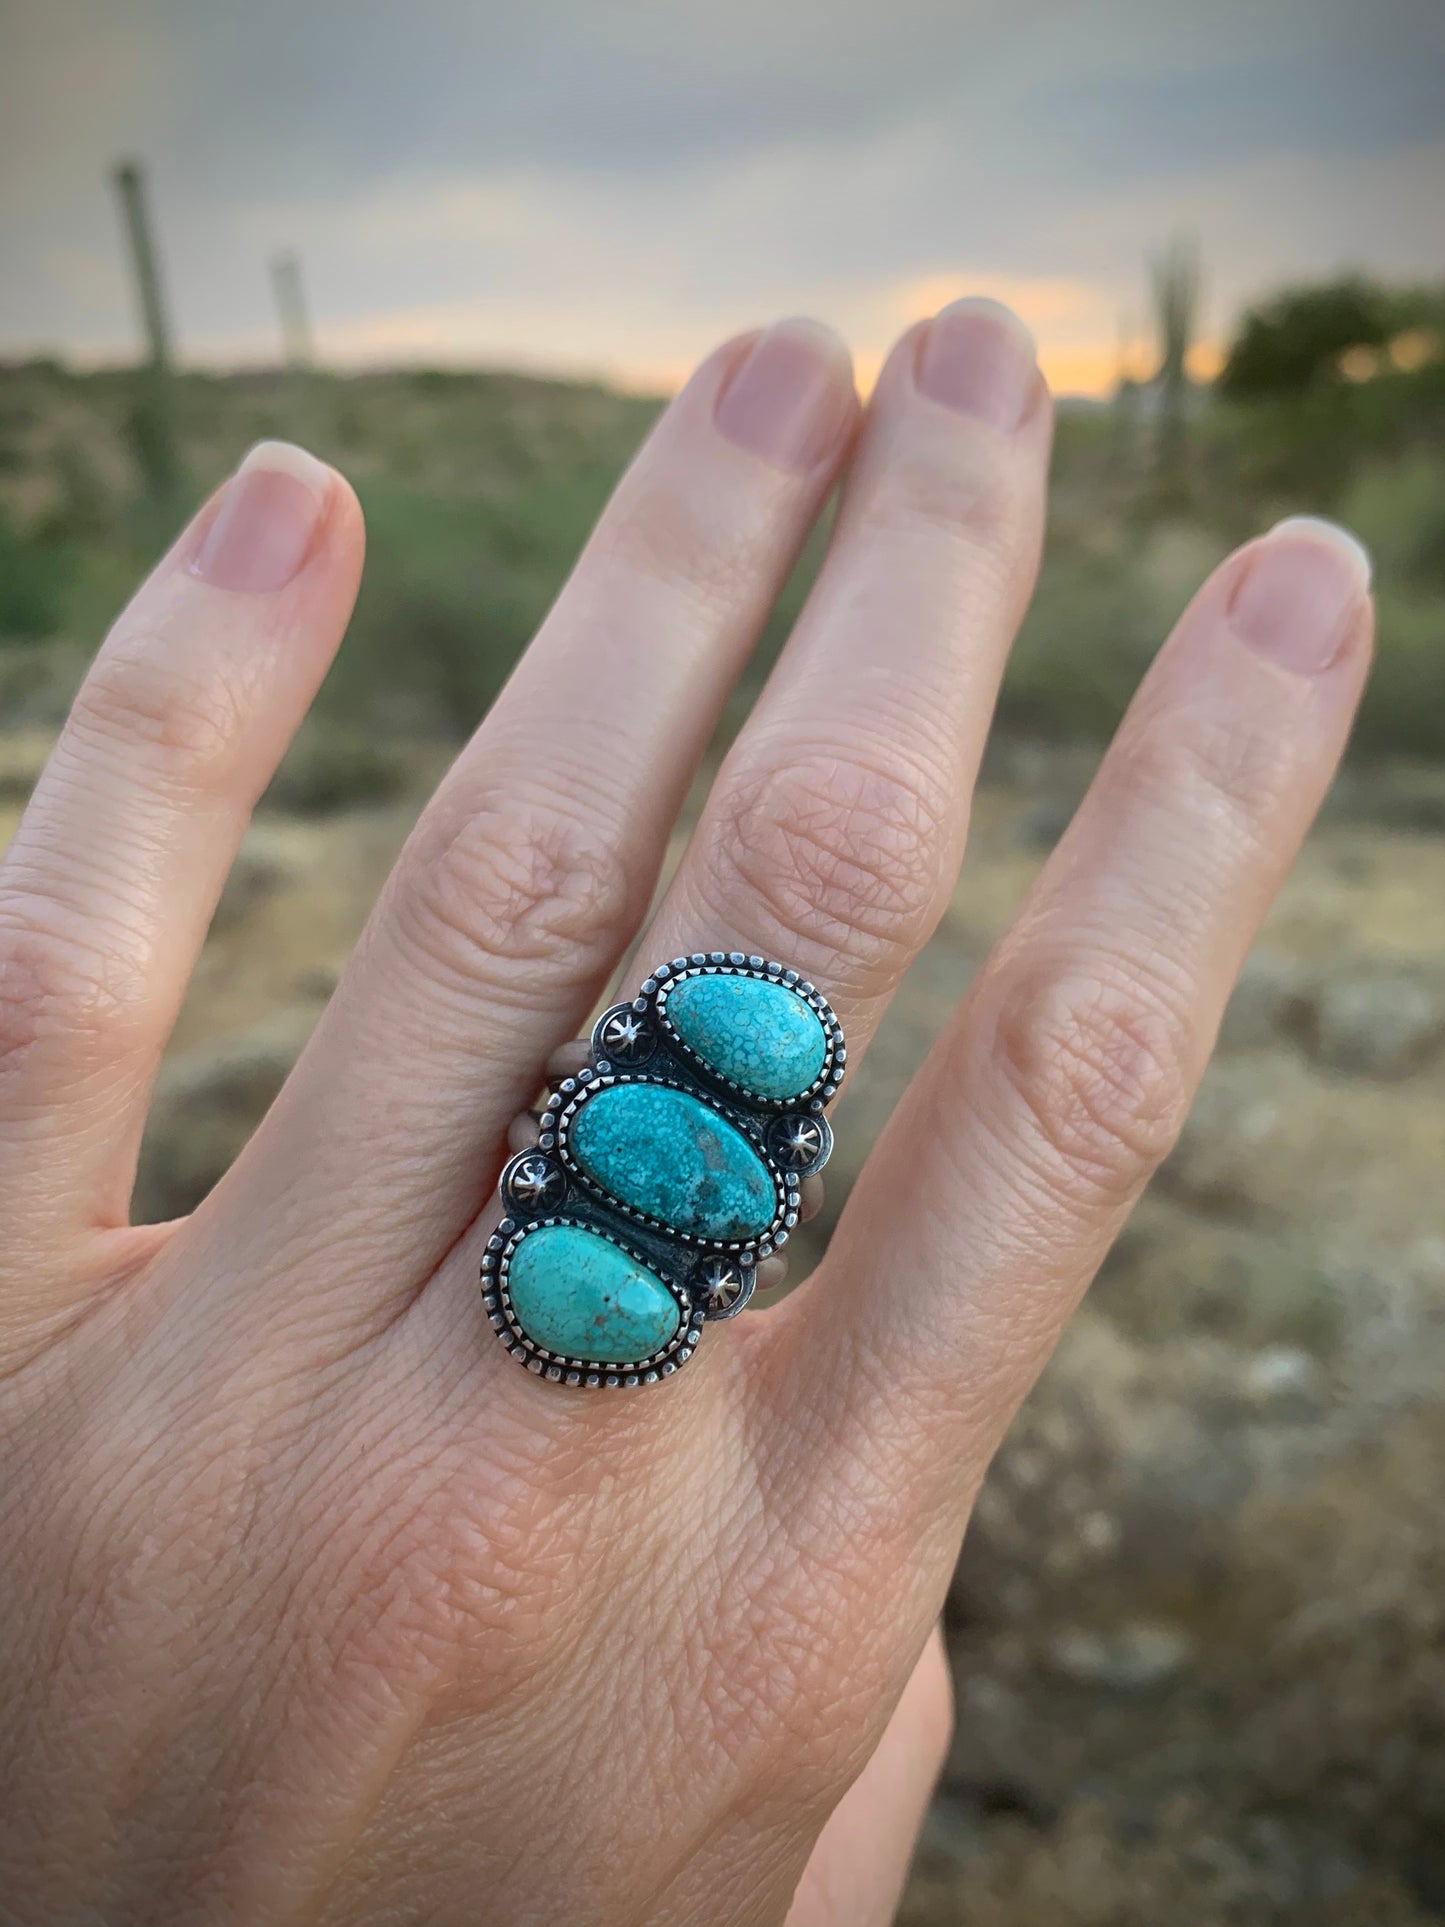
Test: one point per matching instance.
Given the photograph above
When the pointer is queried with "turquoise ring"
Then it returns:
(665, 1172)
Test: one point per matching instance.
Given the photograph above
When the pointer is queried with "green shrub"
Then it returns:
(328, 769)
(453, 590)
(506, 475)
(33, 579)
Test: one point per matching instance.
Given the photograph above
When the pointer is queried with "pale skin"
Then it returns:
(317, 1608)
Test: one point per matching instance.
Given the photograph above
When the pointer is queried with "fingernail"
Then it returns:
(978, 357)
(791, 399)
(1301, 592)
(268, 515)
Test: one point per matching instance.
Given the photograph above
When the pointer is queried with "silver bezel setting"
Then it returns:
(711, 1279)
(555, 1136)
(659, 986)
(497, 1299)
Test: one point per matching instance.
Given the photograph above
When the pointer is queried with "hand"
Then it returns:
(318, 1608)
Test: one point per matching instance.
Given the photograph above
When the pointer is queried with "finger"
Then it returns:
(108, 887)
(855, 1874)
(530, 869)
(834, 832)
(567, 1060)
(1038, 1118)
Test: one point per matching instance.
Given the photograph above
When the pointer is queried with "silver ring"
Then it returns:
(665, 1172)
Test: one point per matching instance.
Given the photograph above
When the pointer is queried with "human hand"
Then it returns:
(316, 1607)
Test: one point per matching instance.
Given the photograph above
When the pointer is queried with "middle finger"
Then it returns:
(833, 835)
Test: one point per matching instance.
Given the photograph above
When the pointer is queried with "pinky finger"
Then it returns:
(855, 1874)
(108, 887)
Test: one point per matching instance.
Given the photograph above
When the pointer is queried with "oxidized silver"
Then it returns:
(711, 1279)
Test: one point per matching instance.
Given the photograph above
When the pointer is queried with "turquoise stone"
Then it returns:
(666, 1154)
(761, 1035)
(577, 1293)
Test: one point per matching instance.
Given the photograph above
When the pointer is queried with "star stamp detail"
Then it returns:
(665, 1172)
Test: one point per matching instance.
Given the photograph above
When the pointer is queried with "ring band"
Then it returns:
(665, 1172)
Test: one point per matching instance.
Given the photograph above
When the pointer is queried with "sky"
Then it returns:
(607, 187)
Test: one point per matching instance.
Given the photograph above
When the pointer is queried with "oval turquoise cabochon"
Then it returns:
(672, 1157)
(577, 1293)
(761, 1035)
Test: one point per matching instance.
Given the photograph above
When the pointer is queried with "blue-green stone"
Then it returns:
(674, 1158)
(761, 1035)
(577, 1293)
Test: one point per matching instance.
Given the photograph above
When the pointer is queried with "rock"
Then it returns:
(1118, 1478)
(317, 983)
(263, 865)
(1269, 1004)
(1133, 1658)
(1282, 1376)
(1177, 1274)
(1381, 1023)
(1215, 1163)
(329, 768)
(207, 1103)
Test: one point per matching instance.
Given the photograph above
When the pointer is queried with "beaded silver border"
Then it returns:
(497, 1299)
(719, 1276)
(555, 1133)
(733, 963)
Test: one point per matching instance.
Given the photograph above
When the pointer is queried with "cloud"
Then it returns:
(615, 187)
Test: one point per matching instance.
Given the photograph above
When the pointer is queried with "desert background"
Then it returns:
(1198, 1629)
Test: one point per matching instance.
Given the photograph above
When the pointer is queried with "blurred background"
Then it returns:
(464, 251)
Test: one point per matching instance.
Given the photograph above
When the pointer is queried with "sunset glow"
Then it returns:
(586, 194)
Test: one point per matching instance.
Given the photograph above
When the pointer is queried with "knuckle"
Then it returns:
(664, 535)
(837, 851)
(959, 490)
(1099, 1072)
(28, 999)
(1242, 770)
(58, 998)
(133, 701)
(514, 883)
(1225, 770)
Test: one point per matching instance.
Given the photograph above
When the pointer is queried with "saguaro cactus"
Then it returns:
(1125, 413)
(291, 310)
(1176, 279)
(153, 418)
